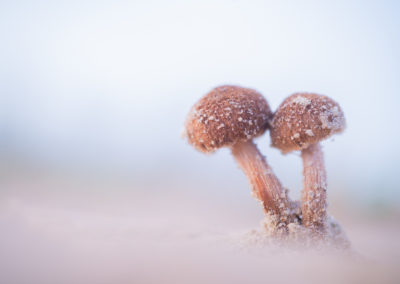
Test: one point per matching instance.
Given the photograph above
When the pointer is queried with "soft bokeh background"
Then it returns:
(93, 96)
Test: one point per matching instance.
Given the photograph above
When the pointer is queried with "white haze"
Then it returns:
(106, 86)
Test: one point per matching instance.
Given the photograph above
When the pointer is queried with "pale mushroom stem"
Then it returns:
(266, 186)
(314, 188)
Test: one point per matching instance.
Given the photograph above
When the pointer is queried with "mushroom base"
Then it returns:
(298, 235)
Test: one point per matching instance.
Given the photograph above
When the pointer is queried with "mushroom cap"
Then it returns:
(304, 119)
(225, 116)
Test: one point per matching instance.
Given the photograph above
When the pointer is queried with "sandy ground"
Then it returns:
(64, 232)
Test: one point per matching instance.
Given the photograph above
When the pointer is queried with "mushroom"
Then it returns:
(231, 116)
(300, 123)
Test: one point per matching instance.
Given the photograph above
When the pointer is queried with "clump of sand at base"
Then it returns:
(298, 237)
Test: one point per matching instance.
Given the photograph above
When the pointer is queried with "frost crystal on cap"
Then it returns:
(304, 119)
(226, 115)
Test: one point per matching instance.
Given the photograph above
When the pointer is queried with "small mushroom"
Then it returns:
(231, 116)
(300, 123)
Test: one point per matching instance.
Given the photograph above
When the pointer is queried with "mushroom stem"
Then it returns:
(265, 185)
(314, 188)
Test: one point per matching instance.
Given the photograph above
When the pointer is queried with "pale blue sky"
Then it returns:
(109, 83)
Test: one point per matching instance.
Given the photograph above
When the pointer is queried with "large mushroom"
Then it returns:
(231, 116)
(300, 123)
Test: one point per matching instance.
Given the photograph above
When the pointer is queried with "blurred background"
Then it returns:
(94, 94)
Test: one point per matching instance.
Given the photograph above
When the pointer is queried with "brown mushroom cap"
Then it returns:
(225, 116)
(304, 119)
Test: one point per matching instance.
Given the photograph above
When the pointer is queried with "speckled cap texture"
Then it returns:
(225, 116)
(304, 119)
